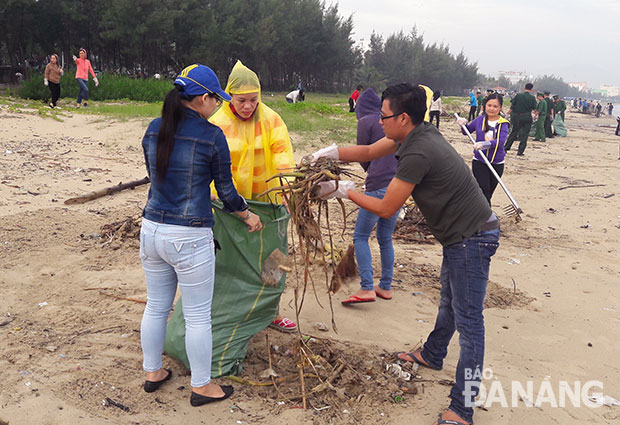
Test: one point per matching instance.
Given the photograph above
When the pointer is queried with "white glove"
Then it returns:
(45, 81)
(461, 121)
(74, 57)
(328, 152)
(328, 190)
(96, 82)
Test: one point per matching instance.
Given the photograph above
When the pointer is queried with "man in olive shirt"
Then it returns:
(521, 109)
(549, 117)
(541, 112)
(458, 214)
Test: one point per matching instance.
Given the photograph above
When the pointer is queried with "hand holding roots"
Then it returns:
(300, 188)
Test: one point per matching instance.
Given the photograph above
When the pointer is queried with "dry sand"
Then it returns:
(66, 347)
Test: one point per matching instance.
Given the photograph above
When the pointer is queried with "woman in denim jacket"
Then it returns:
(184, 153)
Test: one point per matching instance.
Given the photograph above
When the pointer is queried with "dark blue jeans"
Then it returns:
(83, 94)
(464, 276)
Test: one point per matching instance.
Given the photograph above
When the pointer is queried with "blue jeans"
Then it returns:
(464, 276)
(83, 94)
(182, 254)
(385, 227)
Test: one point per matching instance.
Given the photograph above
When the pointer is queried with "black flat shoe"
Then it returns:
(198, 400)
(150, 386)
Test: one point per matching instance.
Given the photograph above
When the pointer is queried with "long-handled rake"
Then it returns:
(512, 210)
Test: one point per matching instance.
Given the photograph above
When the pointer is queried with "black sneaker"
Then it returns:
(85, 105)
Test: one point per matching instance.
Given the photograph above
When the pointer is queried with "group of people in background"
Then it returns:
(54, 71)
(586, 106)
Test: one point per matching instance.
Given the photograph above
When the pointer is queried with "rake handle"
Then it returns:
(486, 160)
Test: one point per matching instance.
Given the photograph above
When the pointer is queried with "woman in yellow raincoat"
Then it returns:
(259, 143)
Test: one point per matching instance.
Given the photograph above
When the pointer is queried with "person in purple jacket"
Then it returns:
(491, 132)
(380, 173)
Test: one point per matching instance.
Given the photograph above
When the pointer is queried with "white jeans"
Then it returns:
(182, 254)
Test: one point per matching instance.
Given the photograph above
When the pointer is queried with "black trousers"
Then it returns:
(472, 113)
(434, 114)
(618, 129)
(548, 131)
(55, 90)
(486, 180)
(351, 105)
(522, 123)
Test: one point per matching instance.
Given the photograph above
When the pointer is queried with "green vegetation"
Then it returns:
(111, 87)
(322, 118)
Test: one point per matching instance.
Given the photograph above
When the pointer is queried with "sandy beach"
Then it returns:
(69, 342)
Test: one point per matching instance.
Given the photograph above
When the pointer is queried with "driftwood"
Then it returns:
(106, 191)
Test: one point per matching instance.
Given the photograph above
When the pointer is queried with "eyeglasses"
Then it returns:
(218, 99)
(382, 118)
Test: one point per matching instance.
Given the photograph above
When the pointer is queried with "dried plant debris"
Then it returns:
(413, 227)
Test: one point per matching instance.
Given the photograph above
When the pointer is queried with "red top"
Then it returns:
(355, 95)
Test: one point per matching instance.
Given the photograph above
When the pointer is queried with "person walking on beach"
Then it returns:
(184, 153)
(380, 173)
(491, 132)
(81, 76)
(610, 108)
(473, 106)
(53, 72)
(541, 113)
(436, 107)
(520, 112)
(459, 216)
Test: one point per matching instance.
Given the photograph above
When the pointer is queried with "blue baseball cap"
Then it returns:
(199, 79)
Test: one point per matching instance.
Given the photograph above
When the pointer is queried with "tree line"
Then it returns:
(285, 41)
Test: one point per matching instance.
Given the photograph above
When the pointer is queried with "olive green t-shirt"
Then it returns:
(446, 191)
(523, 102)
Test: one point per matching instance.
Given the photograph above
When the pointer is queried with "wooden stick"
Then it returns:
(580, 186)
(123, 298)
(301, 379)
(106, 191)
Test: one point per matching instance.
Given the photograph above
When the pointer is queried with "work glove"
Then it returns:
(461, 121)
(96, 82)
(45, 82)
(328, 190)
(74, 57)
(328, 152)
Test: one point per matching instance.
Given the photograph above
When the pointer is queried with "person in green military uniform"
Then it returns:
(520, 112)
(559, 106)
(480, 98)
(549, 117)
(541, 112)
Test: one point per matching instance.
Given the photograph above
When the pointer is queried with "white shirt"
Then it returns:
(294, 96)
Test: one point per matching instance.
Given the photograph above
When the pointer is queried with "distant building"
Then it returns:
(513, 76)
(601, 93)
(612, 91)
(582, 86)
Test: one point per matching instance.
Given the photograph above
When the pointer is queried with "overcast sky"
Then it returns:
(577, 40)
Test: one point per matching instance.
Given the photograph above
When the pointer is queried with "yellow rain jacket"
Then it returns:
(260, 146)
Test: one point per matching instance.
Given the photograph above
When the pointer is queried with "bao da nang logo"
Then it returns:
(531, 393)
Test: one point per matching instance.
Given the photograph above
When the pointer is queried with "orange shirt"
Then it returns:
(83, 67)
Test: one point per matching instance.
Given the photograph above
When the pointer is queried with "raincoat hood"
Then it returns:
(369, 103)
(242, 80)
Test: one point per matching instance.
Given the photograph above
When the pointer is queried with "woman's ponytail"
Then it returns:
(171, 114)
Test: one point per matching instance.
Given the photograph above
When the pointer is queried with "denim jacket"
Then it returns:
(200, 156)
